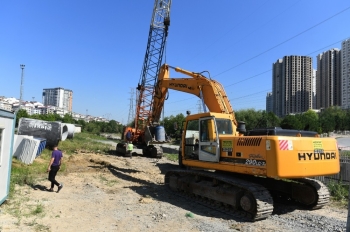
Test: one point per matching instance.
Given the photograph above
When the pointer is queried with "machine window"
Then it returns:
(191, 137)
(224, 126)
(204, 130)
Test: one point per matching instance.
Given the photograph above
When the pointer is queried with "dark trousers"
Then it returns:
(52, 175)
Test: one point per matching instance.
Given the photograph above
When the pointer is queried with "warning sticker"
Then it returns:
(227, 145)
(285, 145)
(318, 146)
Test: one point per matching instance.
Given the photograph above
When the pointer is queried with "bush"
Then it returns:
(338, 191)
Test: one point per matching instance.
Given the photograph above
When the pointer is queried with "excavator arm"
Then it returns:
(210, 91)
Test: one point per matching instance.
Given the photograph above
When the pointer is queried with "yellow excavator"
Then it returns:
(242, 171)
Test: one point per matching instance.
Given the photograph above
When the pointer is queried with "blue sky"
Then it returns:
(97, 48)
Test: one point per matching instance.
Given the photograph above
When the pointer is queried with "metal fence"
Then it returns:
(344, 174)
(336, 133)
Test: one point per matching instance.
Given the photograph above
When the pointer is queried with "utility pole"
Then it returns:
(21, 91)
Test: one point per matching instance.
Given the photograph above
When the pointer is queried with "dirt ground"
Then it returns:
(127, 195)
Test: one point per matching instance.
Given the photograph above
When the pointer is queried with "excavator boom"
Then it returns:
(210, 91)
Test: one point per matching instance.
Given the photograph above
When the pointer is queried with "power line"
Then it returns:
(248, 16)
(293, 37)
(250, 94)
(339, 41)
(181, 100)
(253, 31)
(249, 78)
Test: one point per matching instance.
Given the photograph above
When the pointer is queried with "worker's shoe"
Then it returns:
(59, 188)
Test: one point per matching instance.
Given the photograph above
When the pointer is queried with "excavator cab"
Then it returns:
(201, 137)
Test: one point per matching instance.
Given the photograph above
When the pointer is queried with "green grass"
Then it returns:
(189, 215)
(39, 227)
(106, 181)
(39, 209)
(84, 142)
(172, 157)
(22, 174)
(345, 153)
(17, 212)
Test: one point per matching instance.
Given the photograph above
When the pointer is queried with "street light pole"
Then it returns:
(21, 91)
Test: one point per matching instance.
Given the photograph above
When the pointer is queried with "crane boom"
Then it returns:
(158, 32)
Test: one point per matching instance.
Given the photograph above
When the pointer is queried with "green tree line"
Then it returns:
(92, 127)
(328, 120)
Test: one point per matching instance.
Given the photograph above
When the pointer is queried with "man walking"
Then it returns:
(54, 166)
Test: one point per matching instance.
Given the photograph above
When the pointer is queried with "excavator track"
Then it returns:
(317, 196)
(153, 151)
(243, 199)
(309, 193)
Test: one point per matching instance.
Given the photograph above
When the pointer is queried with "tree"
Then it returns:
(273, 120)
(92, 127)
(291, 122)
(347, 120)
(82, 123)
(340, 118)
(332, 118)
(252, 118)
(309, 121)
(68, 118)
(112, 126)
(21, 114)
(169, 124)
(51, 117)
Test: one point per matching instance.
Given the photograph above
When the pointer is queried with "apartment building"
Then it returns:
(59, 97)
(328, 79)
(345, 74)
(292, 85)
(269, 101)
(314, 73)
(5, 106)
